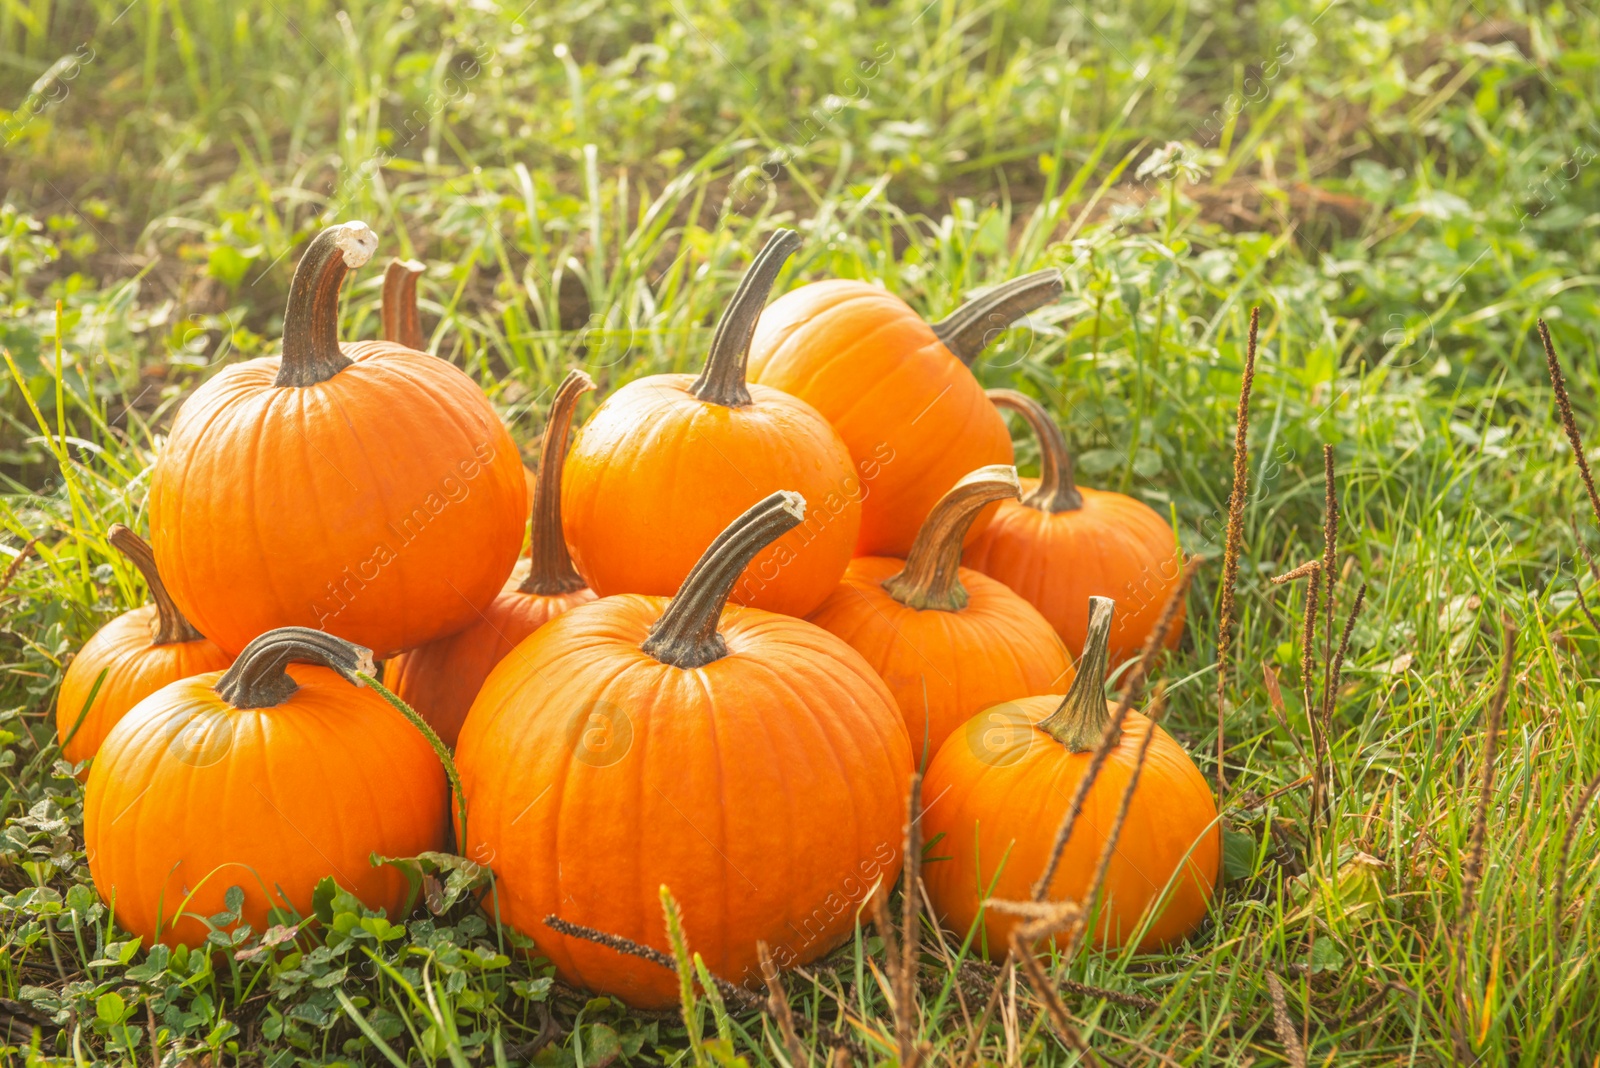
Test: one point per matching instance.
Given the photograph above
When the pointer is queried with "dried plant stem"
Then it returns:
(778, 1007)
(910, 930)
(735, 994)
(975, 1035)
(1113, 731)
(1472, 870)
(1564, 405)
(1330, 579)
(1059, 1017)
(1574, 821)
(1308, 568)
(1577, 582)
(1283, 1025)
(1319, 741)
(1230, 553)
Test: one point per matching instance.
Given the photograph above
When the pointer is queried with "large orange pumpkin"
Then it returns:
(897, 389)
(1005, 780)
(440, 679)
(266, 777)
(1064, 543)
(946, 639)
(128, 659)
(365, 489)
(668, 461)
(749, 761)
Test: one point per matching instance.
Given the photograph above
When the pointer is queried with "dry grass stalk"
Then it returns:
(1230, 552)
(1319, 740)
(1568, 422)
(738, 995)
(1283, 1025)
(1330, 579)
(1060, 1019)
(1594, 574)
(1113, 732)
(1573, 822)
(1307, 568)
(778, 1007)
(905, 976)
(1472, 870)
(975, 1032)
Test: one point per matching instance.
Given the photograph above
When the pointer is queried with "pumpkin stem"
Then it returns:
(171, 625)
(970, 329)
(552, 571)
(932, 575)
(311, 352)
(1056, 492)
(686, 634)
(259, 679)
(722, 381)
(401, 322)
(1079, 722)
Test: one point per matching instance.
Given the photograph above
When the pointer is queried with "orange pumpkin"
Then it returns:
(128, 659)
(947, 640)
(1064, 543)
(266, 777)
(402, 321)
(440, 679)
(896, 389)
(668, 461)
(1004, 782)
(365, 489)
(750, 762)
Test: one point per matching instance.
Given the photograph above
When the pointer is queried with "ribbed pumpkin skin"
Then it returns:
(441, 679)
(765, 789)
(134, 669)
(912, 415)
(656, 474)
(190, 794)
(1114, 546)
(385, 505)
(1003, 784)
(944, 667)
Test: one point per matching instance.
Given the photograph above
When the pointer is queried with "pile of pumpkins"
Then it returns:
(752, 603)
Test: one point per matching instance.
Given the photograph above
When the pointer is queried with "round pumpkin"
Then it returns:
(668, 461)
(898, 390)
(128, 659)
(439, 680)
(947, 640)
(267, 777)
(402, 320)
(1004, 782)
(749, 761)
(1064, 543)
(365, 489)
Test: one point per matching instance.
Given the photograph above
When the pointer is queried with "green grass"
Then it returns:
(1402, 191)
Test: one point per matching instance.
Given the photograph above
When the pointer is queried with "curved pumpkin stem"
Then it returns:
(260, 679)
(722, 381)
(171, 625)
(686, 634)
(311, 352)
(552, 571)
(402, 323)
(1056, 492)
(1080, 721)
(932, 575)
(970, 329)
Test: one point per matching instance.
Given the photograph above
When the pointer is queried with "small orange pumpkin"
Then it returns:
(898, 390)
(1005, 780)
(365, 489)
(751, 762)
(441, 679)
(266, 777)
(668, 461)
(1064, 543)
(128, 659)
(946, 639)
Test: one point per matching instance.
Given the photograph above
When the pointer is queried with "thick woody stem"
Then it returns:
(551, 571)
(931, 578)
(975, 325)
(311, 352)
(1079, 722)
(721, 380)
(260, 677)
(402, 323)
(686, 634)
(1056, 492)
(171, 626)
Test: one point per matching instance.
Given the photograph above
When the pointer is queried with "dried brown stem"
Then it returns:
(1568, 422)
(1574, 821)
(1045, 992)
(778, 1008)
(1310, 567)
(735, 994)
(1230, 553)
(1330, 579)
(1283, 1024)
